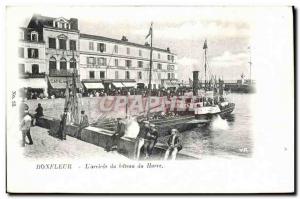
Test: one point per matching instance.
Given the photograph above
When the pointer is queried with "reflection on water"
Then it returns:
(224, 137)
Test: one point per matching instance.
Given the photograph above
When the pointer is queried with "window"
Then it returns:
(158, 56)
(34, 36)
(140, 53)
(33, 53)
(140, 64)
(35, 69)
(92, 74)
(139, 75)
(52, 63)
(102, 74)
(159, 66)
(169, 57)
(63, 64)
(116, 62)
(62, 44)
(21, 52)
(72, 45)
(116, 74)
(169, 75)
(116, 48)
(158, 76)
(91, 60)
(73, 63)
(127, 75)
(128, 63)
(170, 67)
(101, 47)
(21, 68)
(173, 76)
(101, 61)
(62, 25)
(52, 43)
(91, 46)
(56, 24)
(67, 26)
(172, 58)
(128, 50)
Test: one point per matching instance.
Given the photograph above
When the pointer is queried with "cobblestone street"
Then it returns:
(46, 146)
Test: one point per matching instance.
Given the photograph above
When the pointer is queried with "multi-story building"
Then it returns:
(52, 50)
(107, 62)
(31, 59)
(61, 39)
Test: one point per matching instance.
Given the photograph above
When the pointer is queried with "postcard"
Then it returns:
(150, 99)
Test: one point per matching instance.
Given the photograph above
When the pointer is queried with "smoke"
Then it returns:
(219, 124)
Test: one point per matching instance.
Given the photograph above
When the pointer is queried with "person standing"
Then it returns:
(150, 140)
(84, 122)
(39, 113)
(25, 128)
(173, 145)
(65, 117)
(140, 139)
(119, 132)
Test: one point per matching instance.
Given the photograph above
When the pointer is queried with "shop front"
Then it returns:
(57, 86)
(33, 88)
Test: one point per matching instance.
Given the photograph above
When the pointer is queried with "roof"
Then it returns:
(96, 37)
(43, 21)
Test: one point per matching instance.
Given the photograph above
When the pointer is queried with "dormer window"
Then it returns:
(34, 36)
(61, 23)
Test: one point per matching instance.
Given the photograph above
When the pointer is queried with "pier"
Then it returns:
(100, 137)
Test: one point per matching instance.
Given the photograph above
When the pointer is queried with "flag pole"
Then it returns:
(150, 72)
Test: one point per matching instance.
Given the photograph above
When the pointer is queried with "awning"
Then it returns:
(61, 82)
(118, 84)
(129, 84)
(33, 83)
(93, 85)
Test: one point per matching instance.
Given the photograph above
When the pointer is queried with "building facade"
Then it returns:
(31, 59)
(120, 63)
(61, 40)
(52, 50)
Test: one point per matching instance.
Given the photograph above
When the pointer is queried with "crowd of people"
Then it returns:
(60, 93)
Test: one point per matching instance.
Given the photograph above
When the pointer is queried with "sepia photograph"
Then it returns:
(179, 99)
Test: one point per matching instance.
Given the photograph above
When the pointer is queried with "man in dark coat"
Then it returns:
(140, 139)
(84, 122)
(150, 140)
(119, 132)
(62, 125)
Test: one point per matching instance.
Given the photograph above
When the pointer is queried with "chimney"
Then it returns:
(124, 38)
(74, 23)
(195, 82)
(147, 44)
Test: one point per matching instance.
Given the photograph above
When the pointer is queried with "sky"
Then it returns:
(183, 29)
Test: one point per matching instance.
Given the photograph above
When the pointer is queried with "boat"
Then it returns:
(210, 100)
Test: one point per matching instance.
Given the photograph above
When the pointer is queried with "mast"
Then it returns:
(150, 72)
(74, 100)
(205, 62)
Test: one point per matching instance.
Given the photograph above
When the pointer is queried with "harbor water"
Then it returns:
(230, 137)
